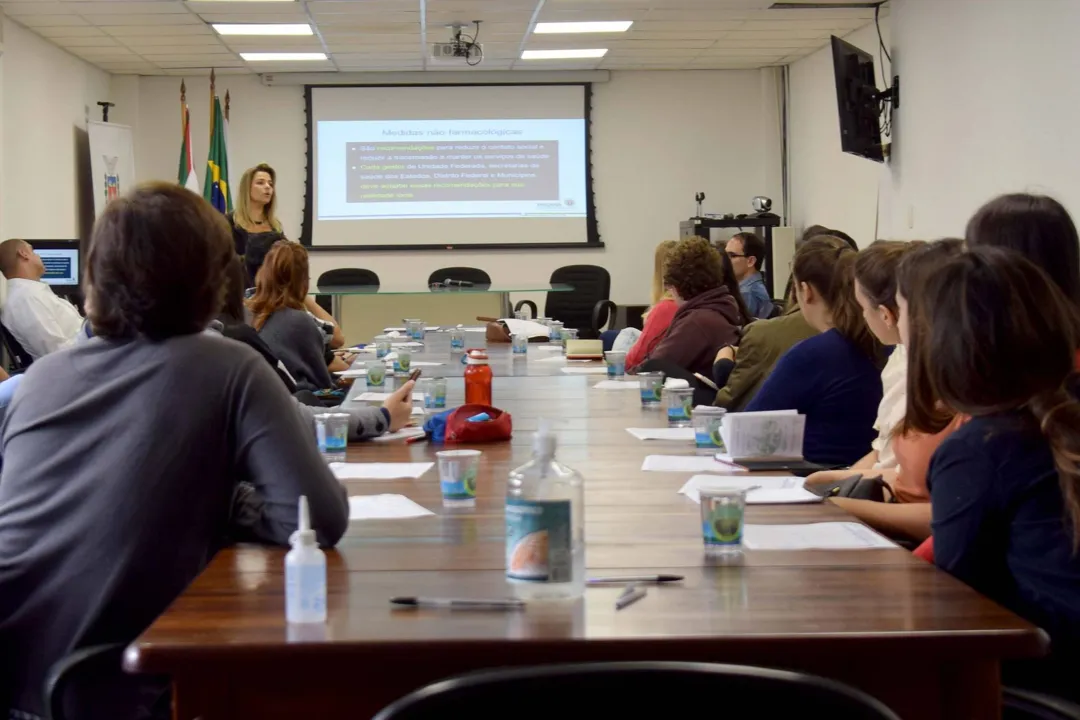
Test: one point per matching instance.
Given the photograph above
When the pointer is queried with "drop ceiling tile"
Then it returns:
(150, 49)
(721, 51)
(192, 41)
(15, 9)
(363, 43)
(243, 17)
(633, 44)
(270, 44)
(157, 30)
(732, 40)
(555, 13)
(358, 13)
(205, 71)
(644, 54)
(143, 19)
(43, 21)
(102, 41)
(684, 27)
(58, 33)
(207, 59)
(90, 7)
(864, 14)
(360, 28)
(198, 62)
(778, 34)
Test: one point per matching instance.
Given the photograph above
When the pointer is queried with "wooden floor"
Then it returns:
(888, 623)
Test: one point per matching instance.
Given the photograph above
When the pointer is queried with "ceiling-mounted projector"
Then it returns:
(462, 48)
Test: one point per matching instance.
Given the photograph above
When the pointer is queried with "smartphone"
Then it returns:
(414, 374)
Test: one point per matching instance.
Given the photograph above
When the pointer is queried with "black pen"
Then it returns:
(460, 603)
(624, 579)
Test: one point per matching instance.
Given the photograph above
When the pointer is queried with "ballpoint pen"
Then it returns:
(622, 579)
(460, 603)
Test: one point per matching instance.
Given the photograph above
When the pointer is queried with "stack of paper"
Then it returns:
(761, 490)
(688, 463)
(404, 433)
(595, 370)
(617, 385)
(528, 328)
(384, 507)
(683, 433)
(813, 536)
(379, 471)
(773, 435)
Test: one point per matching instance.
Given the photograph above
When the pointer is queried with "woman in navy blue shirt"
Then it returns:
(833, 378)
(998, 344)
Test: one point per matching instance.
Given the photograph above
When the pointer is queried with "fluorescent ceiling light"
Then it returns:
(282, 56)
(264, 29)
(583, 27)
(562, 54)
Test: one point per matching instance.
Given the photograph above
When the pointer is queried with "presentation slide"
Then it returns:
(449, 165)
(61, 266)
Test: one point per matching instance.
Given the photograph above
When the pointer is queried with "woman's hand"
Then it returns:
(399, 405)
(726, 353)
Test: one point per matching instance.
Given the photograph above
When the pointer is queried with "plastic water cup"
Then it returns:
(556, 331)
(521, 314)
(707, 422)
(651, 385)
(616, 363)
(427, 387)
(457, 477)
(520, 344)
(457, 340)
(403, 361)
(332, 432)
(383, 343)
(680, 406)
(415, 329)
(722, 520)
(440, 392)
(568, 334)
(376, 373)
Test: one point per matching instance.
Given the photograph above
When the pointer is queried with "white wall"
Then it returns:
(989, 104)
(46, 96)
(658, 137)
(829, 187)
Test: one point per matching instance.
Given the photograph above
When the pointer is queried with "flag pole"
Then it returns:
(228, 100)
(183, 101)
(213, 80)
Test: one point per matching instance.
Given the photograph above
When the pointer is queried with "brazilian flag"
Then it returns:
(216, 188)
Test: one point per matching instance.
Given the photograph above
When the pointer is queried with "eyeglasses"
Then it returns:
(734, 255)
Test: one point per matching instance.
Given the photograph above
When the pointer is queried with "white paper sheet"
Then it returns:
(617, 385)
(813, 536)
(425, 363)
(561, 359)
(688, 463)
(417, 410)
(684, 433)
(351, 373)
(370, 349)
(379, 471)
(381, 396)
(384, 507)
(772, 490)
(404, 433)
(526, 327)
(597, 370)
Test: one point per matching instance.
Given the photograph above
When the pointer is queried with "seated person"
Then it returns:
(747, 253)
(39, 319)
(708, 315)
(279, 314)
(833, 378)
(999, 346)
(122, 454)
(656, 319)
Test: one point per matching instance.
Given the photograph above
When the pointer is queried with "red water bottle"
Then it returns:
(477, 379)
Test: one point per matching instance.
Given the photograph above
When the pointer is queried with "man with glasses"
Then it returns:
(747, 253)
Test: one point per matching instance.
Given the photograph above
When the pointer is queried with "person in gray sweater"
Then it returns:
(123, 454)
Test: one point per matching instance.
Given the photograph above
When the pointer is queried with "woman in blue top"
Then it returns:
(998, 344)
(833, 378)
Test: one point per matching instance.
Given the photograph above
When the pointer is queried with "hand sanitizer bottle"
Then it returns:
(545, 525)
(305, 574)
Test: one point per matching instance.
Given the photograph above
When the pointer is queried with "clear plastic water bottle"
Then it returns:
(545, 525)
(305, 574)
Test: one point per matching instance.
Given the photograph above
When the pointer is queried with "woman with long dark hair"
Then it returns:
(998, 346)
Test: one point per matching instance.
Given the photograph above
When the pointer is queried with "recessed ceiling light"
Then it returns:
(282, 56)
(264, 29)
(583, 27)
(562, 54)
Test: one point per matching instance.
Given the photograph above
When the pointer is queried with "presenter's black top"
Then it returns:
(253, 246)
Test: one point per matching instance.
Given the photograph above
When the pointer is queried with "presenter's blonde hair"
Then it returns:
(242, 213)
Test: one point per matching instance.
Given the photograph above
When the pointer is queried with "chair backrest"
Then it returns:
(89, 682)
(470, 274)
(635, 690)
(591, 283)
(20, 359)
(348, 276)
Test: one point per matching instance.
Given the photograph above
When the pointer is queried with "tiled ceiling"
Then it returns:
(173, 37)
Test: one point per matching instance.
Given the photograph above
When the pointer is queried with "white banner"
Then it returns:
(112, 161)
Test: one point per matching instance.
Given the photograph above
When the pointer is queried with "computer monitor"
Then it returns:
(61, 260)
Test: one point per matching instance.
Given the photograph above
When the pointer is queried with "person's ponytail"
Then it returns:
(1058, 415)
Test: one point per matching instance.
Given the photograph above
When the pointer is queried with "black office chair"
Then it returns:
(1027, 705)
(344, 276)
(476, 276)
(91, 682)
(587, 307)
(20, 359)
(633, 690)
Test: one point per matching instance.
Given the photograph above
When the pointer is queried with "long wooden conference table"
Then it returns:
(881, 620)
